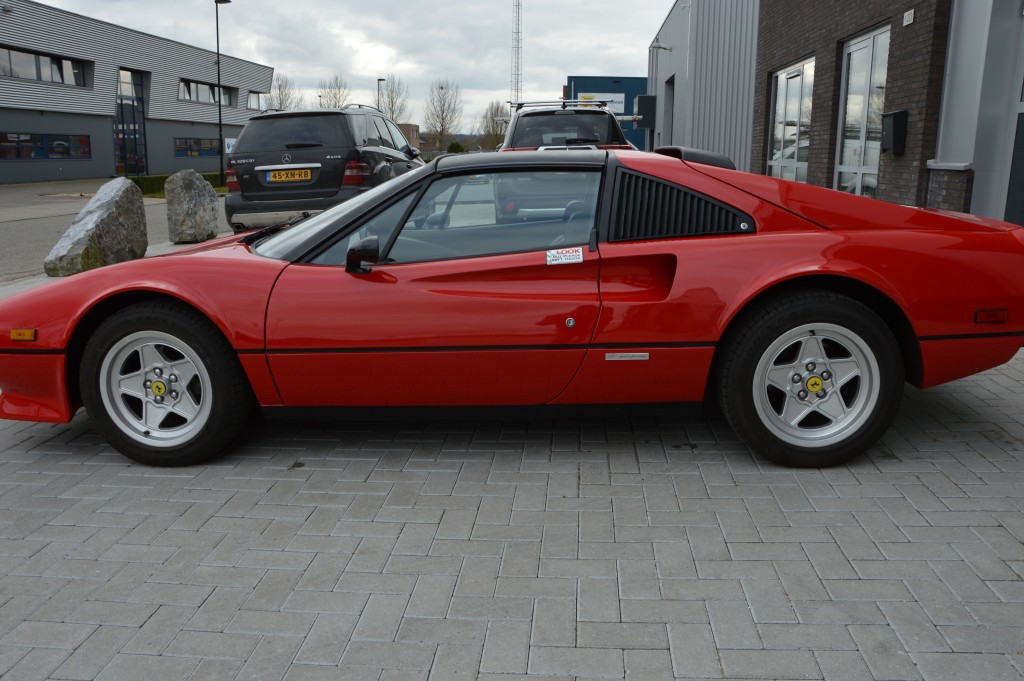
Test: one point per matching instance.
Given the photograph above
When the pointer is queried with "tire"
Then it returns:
(163, 386)
(812, 379)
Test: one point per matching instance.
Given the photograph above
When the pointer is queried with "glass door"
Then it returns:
(130, 125)
(865, 63)
(791, 122)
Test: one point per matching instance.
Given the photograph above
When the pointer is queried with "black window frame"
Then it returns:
(188, 86)
(78, 69)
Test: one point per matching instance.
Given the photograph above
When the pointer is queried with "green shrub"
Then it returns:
(154, 184)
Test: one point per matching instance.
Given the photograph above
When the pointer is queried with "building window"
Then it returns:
(865, 63)
(203, 92)
(185, 147)
(47, 68)
(256, 101)
(130, 124)
(23, 145)
(791, 122)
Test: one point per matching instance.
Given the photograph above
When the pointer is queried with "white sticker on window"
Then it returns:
(564, 256)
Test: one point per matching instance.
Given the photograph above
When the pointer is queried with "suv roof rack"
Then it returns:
(564, 103)
(361, 106)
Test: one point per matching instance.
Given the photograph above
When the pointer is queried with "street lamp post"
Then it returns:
(379, 81)
(220, 116)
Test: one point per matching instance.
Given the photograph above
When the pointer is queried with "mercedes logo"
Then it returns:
(287, 158)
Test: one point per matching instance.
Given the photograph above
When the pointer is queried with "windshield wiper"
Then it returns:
(260, 234)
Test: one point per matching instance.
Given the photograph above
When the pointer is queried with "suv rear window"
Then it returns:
(294, 132)
(565, 128)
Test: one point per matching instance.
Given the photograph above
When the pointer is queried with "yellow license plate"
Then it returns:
(297, 175)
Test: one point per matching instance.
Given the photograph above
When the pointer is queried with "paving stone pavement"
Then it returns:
(641, 549)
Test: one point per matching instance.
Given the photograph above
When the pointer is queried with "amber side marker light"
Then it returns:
(23, 334)
(998, 315)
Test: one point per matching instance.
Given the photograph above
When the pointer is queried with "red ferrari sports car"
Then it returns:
(622, 278)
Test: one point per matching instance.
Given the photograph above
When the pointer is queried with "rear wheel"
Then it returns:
(163, 385)
(812, 379)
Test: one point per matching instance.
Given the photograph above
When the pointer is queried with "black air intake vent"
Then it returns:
(651, 209)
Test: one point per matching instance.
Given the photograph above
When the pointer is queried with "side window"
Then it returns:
(357, 123)
(494, 213)
(382, 225)
(384, 133)
(396, 134)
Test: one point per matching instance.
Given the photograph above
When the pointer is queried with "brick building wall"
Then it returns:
(792, 31)
(950, 189)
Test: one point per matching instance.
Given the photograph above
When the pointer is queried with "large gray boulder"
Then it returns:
(111, 228)
(191, 208)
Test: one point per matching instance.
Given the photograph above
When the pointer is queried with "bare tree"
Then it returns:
(491, 127)
(333, 93)
(442, 112)
(283, 95)
(394, 98)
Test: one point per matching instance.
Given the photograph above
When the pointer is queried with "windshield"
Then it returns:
(294, 132)
(566, 127)
(313, 230)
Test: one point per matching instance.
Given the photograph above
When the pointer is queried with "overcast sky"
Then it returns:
(466, 41)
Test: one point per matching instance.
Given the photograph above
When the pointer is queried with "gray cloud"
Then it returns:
(466, 41)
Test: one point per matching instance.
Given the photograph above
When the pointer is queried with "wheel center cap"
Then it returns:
(159, 388)
(814, 384)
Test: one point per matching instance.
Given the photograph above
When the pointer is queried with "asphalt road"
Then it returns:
(34, 216)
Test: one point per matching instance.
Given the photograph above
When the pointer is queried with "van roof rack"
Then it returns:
(564, 103)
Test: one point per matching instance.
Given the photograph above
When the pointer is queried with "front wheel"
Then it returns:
(812, 379)
(162, 384)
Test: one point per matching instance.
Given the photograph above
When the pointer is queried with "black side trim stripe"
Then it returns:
(33, 352)
(972, 336)
(480, 348)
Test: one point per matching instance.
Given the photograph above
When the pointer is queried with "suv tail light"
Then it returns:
(232, 180)
(356, 173)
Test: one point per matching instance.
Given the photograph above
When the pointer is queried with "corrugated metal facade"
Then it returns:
(702, 65)
(107, 48)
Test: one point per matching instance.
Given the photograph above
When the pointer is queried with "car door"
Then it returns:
(671, 262)
(400, 162)
(411, 155)
(460, 310)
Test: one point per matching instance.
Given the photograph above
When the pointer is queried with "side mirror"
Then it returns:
(364, 250)
(437, 221)
(413, 152)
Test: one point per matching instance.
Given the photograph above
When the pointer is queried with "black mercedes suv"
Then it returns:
(287, 163)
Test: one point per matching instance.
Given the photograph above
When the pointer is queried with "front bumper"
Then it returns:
(33, 388)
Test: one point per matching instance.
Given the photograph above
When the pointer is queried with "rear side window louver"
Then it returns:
(651, 209)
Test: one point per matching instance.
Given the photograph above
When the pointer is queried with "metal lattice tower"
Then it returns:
(516, 90)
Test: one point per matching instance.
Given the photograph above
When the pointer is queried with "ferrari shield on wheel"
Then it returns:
(163, 385)
(811, 380)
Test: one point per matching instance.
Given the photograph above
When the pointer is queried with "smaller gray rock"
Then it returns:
(111, 228)
(191, 208)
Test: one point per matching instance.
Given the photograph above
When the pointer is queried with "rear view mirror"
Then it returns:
(366, 250)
